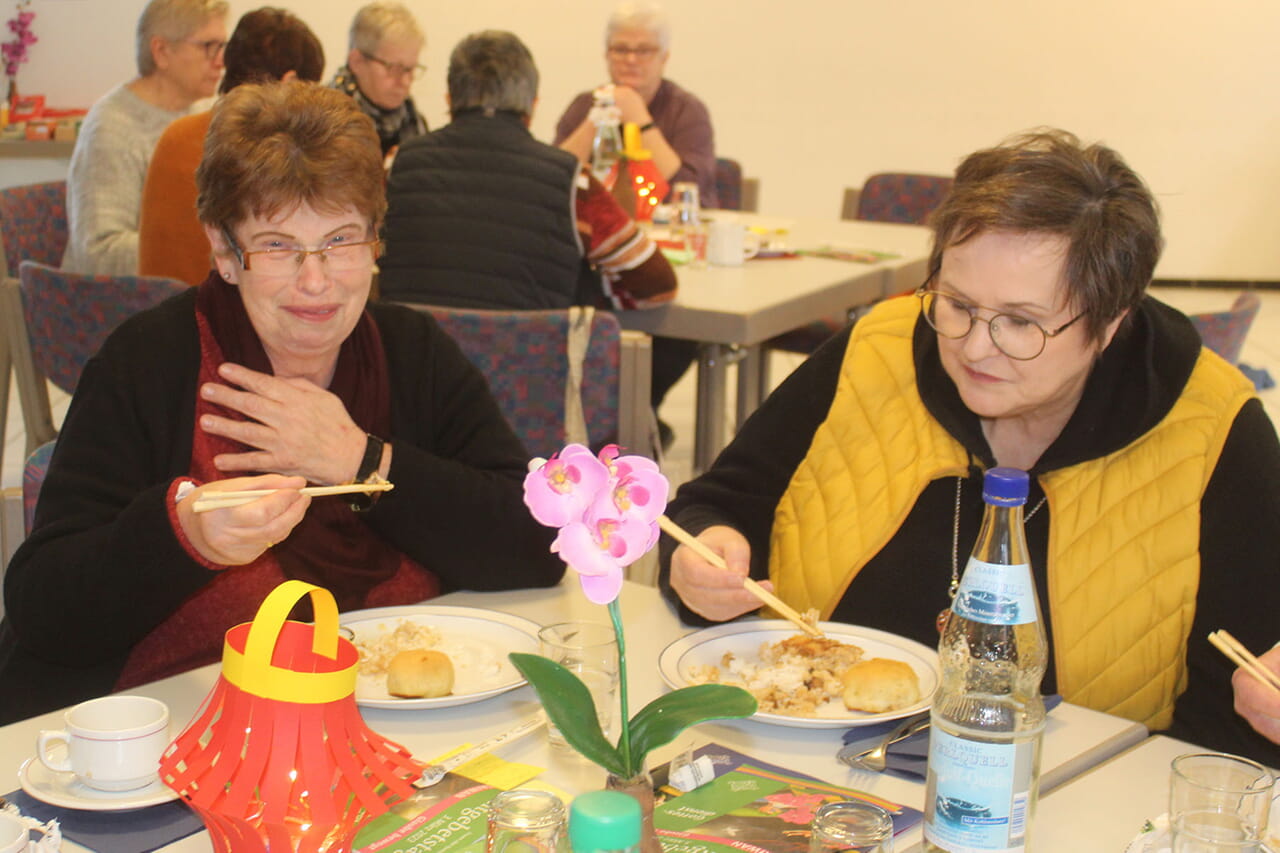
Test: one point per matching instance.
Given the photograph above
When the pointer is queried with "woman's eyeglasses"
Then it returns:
(211, 47)
(1020, 338)
(641, 52)
(395, 69)
(338, 255)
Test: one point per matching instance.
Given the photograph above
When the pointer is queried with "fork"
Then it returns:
(874, 759)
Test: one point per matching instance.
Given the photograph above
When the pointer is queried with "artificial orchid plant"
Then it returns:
(606, 508)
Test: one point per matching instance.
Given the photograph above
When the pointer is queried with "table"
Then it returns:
(1077, 738)
(731, 311)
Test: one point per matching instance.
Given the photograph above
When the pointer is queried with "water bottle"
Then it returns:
(987, 716)
(606, 145)
(604, 822)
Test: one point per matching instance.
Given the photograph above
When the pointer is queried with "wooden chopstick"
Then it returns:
(221, 500)
(684, 537)
(1243, 658)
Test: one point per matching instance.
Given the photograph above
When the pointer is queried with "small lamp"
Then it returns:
(279, 758)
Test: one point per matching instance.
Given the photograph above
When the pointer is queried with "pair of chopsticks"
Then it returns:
(1243, 658)
(789, 613)
(221, 500)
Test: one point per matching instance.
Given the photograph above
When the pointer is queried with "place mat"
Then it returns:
(136, 831)
(908, 757)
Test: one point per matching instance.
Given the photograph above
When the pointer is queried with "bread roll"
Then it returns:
(877, 685)
(420, 674)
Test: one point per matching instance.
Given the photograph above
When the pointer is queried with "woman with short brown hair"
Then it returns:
(274, 373)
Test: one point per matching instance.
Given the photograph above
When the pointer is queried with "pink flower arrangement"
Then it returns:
(14, 51)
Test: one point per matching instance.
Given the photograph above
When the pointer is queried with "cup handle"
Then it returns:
(750, 245)
(44, 740)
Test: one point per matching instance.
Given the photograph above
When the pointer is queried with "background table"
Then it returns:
(1076, 740)
(731, 311)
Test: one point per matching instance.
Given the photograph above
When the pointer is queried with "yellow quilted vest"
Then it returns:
(1124, 562)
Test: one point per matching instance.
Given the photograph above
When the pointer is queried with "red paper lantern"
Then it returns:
(279, 758)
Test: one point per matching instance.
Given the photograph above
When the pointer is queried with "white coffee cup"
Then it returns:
(15, 833)
(113, 743)
(730, 243)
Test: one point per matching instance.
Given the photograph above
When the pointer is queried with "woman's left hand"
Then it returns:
(1257, 704)
(298, 427)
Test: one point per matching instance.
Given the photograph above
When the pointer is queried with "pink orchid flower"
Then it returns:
(638, 490)
(600, 551)
(561, 489)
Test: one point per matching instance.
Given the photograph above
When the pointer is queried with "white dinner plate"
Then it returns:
(65, 791)
(477, 642)
(708, 647)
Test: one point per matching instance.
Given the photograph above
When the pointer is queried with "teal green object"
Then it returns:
(604, 821)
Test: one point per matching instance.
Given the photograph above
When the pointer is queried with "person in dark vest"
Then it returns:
(482, 215)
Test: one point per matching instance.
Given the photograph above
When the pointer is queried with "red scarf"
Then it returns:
(331, 547)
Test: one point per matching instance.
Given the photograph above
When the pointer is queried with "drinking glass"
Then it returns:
(524, 820)
(590, 651)
(851, 827)
(1218, 803)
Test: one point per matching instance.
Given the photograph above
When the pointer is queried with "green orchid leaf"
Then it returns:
(569, 705)
(663, 719)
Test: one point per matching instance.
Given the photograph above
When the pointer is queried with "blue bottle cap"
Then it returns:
(604, 820)
(1005, 486)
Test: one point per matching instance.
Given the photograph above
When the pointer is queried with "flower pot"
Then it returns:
(640, 787)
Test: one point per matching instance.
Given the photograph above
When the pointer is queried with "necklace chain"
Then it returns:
(955, 536)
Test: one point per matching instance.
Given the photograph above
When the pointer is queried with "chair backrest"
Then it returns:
(1224, 331)
(901, 197)
(729, 183)
(32, 479)
(69, 315)
(524, 355)
(33, 224)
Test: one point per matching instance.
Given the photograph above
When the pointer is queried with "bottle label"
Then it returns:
(979, 793)
(996, 594)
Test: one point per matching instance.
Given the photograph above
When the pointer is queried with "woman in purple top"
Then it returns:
(675, 125)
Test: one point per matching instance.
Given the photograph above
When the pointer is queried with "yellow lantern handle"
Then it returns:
(253, 671)
(631, 144)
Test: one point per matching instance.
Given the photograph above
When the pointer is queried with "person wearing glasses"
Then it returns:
(267, 44)
(275, 372)
(675, 125)
(856, 488)
(385, 44)
(179, 47)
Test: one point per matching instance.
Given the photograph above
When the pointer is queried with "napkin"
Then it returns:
(908, 757)
(134, 831)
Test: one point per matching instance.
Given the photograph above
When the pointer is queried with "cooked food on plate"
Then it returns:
(805, 676)
(377, 652)
(420, 674)
(411, 659)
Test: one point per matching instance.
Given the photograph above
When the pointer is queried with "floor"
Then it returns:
(1262, 349)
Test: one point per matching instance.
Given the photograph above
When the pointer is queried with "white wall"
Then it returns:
(813, 95)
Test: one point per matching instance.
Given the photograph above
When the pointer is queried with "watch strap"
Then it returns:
(367, 472)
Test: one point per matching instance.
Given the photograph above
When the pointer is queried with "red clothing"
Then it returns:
(635, 273)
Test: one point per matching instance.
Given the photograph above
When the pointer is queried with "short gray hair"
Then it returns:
(492, 69)
(640, 15)
(172, 20)
(379, 21)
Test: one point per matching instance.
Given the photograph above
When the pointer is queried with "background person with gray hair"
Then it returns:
(180, 45)
(482, 215)
(675, 125)
(385, 43)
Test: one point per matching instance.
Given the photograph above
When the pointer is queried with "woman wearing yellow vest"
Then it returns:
(857, 486)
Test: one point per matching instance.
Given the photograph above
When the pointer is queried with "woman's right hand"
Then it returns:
(234, 536)
(708, 590)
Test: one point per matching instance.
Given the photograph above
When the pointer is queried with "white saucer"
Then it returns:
(63, 789)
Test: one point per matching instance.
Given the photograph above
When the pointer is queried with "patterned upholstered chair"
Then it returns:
(1224, 331)
(524, 355)
(901, 197)
(56, 321)
(33, 224)
(729, 183)
(32, 479)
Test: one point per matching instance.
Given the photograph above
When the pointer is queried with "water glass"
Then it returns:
(851, 827)
(590, 651)
(521, 821)
(1218, 803)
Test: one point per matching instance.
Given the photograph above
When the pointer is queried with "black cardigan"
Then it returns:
(902, 588)
(103, 566)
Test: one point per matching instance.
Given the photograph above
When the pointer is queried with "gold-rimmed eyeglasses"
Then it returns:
(1020, 338)
(211, 47)
(395, 69)
(339, 254)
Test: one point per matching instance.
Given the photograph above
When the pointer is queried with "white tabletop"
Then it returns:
(1076, 739)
